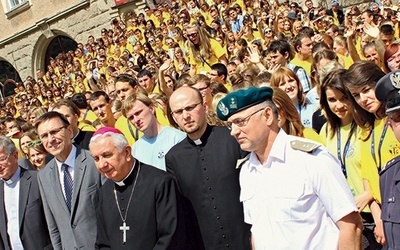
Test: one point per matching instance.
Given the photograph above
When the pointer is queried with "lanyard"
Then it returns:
(134, 135)
(342, 159)
(379, 146)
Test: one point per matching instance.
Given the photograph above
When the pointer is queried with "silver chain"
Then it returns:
(130, 198)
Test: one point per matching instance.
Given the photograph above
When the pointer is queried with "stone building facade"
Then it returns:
(26, 31)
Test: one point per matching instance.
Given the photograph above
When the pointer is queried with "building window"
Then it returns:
(16, 3)
(13, 7)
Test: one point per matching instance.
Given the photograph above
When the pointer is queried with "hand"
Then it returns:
(371, 30)
(378, 232)
(272, 68)
(254, 56)
(89, 74)
(350, 32)
(166, 65)
(318, 38)
(363, 199)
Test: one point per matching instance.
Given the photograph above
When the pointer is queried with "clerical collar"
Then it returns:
(203, 139)
(14, 178)
(128, 179)
(73, 139)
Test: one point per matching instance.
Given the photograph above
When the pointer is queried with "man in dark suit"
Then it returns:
(22, 219)
(68, 184)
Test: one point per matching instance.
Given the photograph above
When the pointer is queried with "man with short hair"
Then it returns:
(100, 103)
(203, 84)
(68, 185)
(285, 190)
(219, 73)
(280, 53)
(157, 139)
(80, 136)
(203, 165)
(146, 81)
(303, 45)
(22, 220)
(138, 206)
(386, 33)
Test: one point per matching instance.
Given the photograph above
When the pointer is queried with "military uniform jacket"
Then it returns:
(206, 175)
(390, 192)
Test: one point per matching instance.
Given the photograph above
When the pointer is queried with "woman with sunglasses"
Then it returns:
(380, 141)
(204, 51)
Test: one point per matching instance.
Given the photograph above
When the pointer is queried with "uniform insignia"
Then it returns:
(308, 147)
(224, 110)
(395, 79)
(240, 162)
(233, 103)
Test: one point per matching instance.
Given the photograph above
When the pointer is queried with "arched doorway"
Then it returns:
(59, 44)
(8, 77)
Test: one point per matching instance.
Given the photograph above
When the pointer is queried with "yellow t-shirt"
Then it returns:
(203, 68)
(346, 61)
(353, 157)
(306, 65)
(389, 148)
(310, 133)
(130, 132)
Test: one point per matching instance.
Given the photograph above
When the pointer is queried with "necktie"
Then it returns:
(68, 185)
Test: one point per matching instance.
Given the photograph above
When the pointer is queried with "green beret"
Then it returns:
(387, 91)
(242, 99)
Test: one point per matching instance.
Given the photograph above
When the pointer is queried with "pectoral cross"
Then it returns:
(124, 228)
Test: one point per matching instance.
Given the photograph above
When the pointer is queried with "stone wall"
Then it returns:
(25, 50)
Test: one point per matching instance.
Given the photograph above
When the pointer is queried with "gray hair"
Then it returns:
(119, 140)
(7, 144)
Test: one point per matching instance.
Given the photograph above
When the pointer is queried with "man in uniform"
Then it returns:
(387, 91)
(138, 204)
(289, 197)
(203, 165)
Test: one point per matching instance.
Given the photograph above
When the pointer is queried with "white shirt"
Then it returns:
(295, 198)
(70, 161)
(11, 200)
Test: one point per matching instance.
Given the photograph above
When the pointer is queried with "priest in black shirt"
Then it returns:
(204, 167)
(137, 206)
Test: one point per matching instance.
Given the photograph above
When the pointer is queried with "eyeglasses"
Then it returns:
(268, 31)
(34, 143)
(359, 30)
(4, 159)
(189, 108)
(242, 122)
(192, 34)
(203, 88)
(45, 136)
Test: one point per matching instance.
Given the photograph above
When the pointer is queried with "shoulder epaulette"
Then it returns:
(308, 147)
(240, 162)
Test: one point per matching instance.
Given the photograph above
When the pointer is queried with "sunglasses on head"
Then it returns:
(33, 143)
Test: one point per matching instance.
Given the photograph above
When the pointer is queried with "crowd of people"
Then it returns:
(165, 100)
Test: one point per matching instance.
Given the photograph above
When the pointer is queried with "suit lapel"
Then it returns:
(57, 185)
(24, 186)
(3, 218)
(79, 172)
